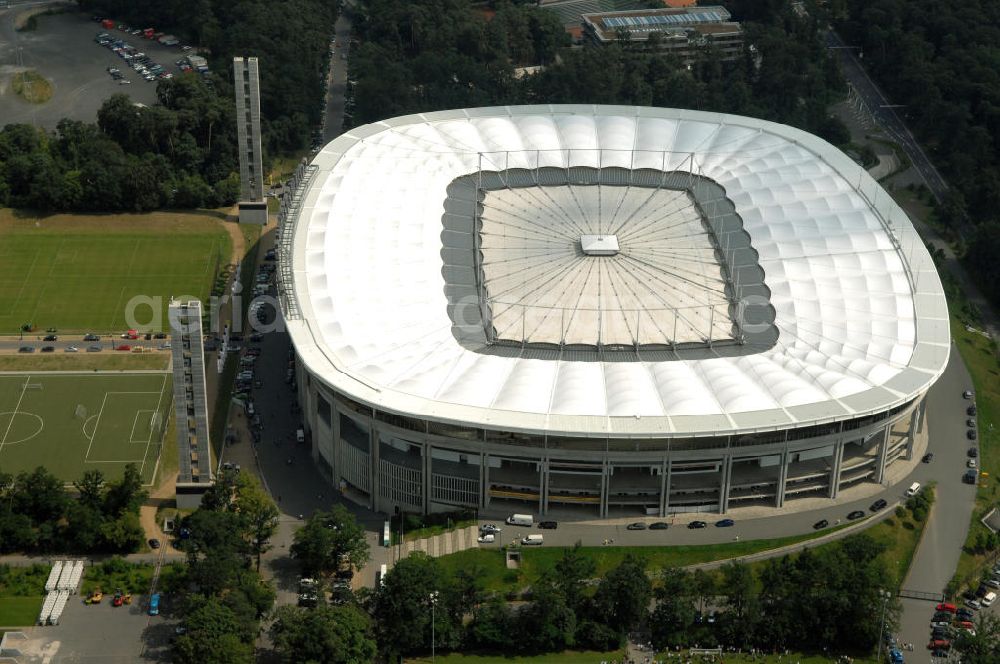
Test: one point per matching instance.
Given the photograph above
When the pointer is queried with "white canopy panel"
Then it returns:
(860, 312)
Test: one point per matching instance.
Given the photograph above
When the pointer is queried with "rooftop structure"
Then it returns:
(679, 30)
(768, 306)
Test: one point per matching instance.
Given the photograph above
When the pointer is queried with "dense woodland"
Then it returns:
(423, 55)
(37, 515)
(941, 61)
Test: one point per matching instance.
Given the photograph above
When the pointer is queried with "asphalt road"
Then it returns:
(886, 116)
(333, 122)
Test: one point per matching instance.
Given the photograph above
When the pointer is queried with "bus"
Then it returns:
(154, 604)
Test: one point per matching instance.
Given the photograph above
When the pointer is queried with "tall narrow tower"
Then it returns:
(253, 207)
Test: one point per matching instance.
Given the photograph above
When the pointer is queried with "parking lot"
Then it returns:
(63, 50)
(101, 633)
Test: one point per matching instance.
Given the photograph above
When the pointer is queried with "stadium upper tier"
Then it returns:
(607, 270)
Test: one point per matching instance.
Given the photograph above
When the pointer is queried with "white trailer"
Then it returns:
(47, 605)
(50, 585)
(61, 598)
(75, 576)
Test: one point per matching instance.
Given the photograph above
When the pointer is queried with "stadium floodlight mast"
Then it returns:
(433, 597)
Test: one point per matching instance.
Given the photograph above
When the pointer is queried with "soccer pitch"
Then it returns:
(78, 273)
(73, 422)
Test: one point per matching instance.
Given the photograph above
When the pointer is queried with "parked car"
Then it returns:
(659, 525)
(725, 523)
(697, 524)
(971, 434)
(548, 525)
(939, 644)
(973, 452)
(945, 606)
(124, 347)
(26, 349)
(856, 514)
(50, 337)
(878, 505)
(638, 525)
(970, 423)
(971, 410)
(93, 349)
(927, 458)
(967, 394)
(48, 349)
(90, 337)
(154, 544)
(821, 524)
(488, 538)
(971, 463)
(71, 349)
(489, 529)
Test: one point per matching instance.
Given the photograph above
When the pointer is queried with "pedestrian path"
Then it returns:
(444, 544)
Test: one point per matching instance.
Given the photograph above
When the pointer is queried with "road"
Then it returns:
(333, 122)
(885, 114)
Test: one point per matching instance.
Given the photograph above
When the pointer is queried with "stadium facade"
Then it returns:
(602, 308)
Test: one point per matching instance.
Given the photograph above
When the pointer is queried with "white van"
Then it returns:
(914, 488)
(525, 520)
(488, 538)
(989, 599)
(532, 540)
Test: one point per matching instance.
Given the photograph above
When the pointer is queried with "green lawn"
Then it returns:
(19, 611)
(103, 361)
(567, 657)
(488, 565)
(74, 422)
(79, 272)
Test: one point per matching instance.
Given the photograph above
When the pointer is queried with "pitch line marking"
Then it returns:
(163, 387)
(85, 423)
(13, 414)
(135, 421)
(26, 413)
(86, 457)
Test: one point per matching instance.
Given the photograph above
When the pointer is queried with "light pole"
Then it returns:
(433, 599)
(884, 594)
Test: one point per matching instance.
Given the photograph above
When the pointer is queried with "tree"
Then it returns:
(91, 489)
(622, 598)
(329, 538)
(572, 570)
(126, 495)
(259, 516)
(742, 615)
(675, 611)
(546, 624)
(402, 606)
(492, 626)
(324, 635)
(214, 634)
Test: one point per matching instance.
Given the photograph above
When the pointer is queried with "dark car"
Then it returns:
(50, 337)
(927, 458)
(48, 349)
(856, 514)
(638, 525)
(154, 544)
(971, 434)
(973, 452)
(941, 616)
(821, 524)
(548, 525)
(971, 410)
(878, 505)
(938, 652)
(964, 613)
(697, 524)
(659, 525)
(159, 335)
(93, 349)
(90, 337)
(725, 523)
(26, 349)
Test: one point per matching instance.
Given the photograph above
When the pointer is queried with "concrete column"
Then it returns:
(664, 486)
(336, 460)
(482, 481)
(911, 436)
(883, 453)
(426, 483)
(838, 461)
(486, 481)
(544, 486)
(727, 477)
(374, 480)
(923, 413)
(603, 508)
(779, 496)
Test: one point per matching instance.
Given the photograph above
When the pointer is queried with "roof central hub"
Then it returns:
(599, 245)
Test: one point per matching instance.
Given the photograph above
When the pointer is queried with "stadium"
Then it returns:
(604, 310)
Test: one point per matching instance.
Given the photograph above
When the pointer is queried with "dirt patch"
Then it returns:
(21, 20)
(159, 496)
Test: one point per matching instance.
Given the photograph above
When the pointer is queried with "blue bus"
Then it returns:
(154, 604)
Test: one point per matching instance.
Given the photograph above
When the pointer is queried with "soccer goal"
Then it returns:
(81, 412)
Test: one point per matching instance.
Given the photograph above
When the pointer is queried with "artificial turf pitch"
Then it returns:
(73, 422)
(78, 274)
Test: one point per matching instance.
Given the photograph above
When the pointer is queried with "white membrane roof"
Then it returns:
(861, 317)
(665, 284)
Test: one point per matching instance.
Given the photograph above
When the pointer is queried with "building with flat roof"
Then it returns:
(606, 309)
(682, 31)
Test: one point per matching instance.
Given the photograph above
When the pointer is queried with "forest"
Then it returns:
(941, 62)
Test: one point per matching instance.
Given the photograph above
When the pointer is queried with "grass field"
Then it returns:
(107, 361)
(19, 611)
(32, 87)
(492, 574)
(576, 657)
(78, 272)
(74, 422)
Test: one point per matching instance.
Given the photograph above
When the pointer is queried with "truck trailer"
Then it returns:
(525, 520)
